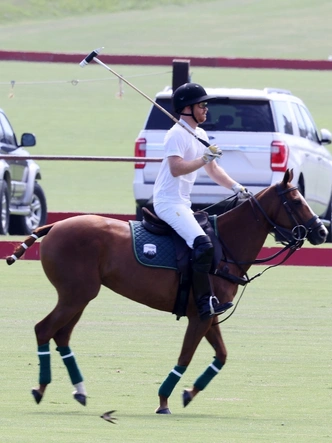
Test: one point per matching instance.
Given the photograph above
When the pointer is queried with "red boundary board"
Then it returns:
(157, 60)
(306, 256)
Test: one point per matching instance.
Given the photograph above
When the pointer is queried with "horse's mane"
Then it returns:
(239, 204)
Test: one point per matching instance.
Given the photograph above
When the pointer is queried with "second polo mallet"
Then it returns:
(93, 56)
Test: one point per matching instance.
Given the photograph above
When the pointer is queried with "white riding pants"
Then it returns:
(181, 219)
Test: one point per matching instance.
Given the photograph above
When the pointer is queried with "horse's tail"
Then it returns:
(29, 241)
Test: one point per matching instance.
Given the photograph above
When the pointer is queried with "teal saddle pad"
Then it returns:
(151, 249)
(156, 250)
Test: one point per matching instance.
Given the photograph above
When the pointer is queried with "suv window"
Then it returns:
(239, 115)
(311, 129)
(300, 121)
(284, 118)
(306, 125)
(158, 119)
(223, 115)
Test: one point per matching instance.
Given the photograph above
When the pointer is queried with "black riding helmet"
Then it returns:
(188, 95)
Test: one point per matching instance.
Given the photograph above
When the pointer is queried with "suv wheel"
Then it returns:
(4, 209)
(26, 224)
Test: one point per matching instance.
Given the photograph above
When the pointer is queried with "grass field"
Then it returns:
(89, 118)
(247, 28)
(276, 386)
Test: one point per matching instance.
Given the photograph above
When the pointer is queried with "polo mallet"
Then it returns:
(93, 56)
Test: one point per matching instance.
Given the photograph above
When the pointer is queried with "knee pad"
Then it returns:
(202, 254)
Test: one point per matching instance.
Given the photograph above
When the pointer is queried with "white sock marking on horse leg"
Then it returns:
(80, 388)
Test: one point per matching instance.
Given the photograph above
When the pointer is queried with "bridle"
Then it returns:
(292, 239)
(300, 230)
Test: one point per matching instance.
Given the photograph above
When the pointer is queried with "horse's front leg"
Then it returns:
(195, 332)
(215, 339)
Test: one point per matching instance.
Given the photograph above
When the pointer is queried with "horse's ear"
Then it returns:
(288, 177)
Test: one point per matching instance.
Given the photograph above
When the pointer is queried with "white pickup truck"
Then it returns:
(261, 134)
(23, 204)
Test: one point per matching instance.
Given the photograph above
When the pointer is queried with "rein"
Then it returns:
(293, 240)
(292, 248)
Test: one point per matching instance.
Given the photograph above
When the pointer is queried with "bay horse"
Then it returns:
(82, 253)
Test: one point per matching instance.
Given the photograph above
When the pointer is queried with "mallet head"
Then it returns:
(90, 57)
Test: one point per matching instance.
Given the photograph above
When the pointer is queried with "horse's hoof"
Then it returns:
(81, 398)
(37, 395)
(163, 411)
(186, 397)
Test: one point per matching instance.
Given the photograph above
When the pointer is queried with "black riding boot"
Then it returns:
(202, 257)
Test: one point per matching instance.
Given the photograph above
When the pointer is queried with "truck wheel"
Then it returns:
(26, 224)
(4, 209)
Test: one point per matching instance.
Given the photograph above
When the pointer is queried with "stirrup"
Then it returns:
(218, 308)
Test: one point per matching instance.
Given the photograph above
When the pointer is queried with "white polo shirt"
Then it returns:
(179, 142)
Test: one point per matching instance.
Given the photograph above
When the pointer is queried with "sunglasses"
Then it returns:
(202, 105)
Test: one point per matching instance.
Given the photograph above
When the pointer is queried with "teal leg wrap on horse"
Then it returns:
(204, 379)
(70, 363)
(172, 379)
(44, 356)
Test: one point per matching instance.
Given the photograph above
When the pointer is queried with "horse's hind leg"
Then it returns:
(62, 338)
(58, 325)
